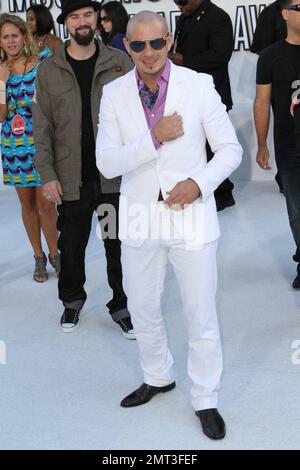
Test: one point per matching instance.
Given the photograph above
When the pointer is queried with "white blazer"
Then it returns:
(124, 147)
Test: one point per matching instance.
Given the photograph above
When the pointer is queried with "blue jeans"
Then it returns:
(288, 164)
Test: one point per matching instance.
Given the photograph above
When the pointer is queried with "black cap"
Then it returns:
(67, 6)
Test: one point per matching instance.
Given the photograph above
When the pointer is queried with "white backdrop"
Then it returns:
(242, 67)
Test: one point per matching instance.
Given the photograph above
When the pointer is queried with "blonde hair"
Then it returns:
(29, 50)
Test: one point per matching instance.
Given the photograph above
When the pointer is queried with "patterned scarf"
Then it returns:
(148, 97)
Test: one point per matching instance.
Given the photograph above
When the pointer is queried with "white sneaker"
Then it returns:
(127, 328)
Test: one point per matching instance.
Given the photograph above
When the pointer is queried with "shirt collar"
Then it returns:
(165, 76)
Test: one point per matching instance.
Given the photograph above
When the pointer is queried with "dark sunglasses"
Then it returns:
(181, 3)
(157, 44)
(105, 19)
(293, 7)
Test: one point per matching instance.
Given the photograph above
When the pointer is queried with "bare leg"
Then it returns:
(31, 220)
(48, 220)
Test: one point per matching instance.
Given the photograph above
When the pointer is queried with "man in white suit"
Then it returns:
(153, 125)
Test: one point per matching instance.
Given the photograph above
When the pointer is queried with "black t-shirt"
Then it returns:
(84, 72)
(279, 65)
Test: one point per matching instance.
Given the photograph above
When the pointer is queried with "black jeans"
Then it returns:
(288, 164)
(74, 224)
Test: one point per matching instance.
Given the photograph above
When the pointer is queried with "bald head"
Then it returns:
(148, 43)
(146, 17)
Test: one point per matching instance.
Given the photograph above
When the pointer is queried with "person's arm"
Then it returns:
(54, 43)
(261, 111)
(222, 139)
(113, 156)
(43, 133)
(220, 47)
(4, 74)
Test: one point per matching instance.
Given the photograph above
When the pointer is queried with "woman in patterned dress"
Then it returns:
(18, 67)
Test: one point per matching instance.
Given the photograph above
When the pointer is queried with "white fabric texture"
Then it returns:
(124, 147)
(144, 270)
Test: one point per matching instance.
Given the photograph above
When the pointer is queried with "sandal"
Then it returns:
(55, 263)
(40, 271)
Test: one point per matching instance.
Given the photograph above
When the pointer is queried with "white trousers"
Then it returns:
(144, 270)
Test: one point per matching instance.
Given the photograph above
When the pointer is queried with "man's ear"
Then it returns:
(285, 14)
(169, 41)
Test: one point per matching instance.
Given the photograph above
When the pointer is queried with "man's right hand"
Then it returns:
(169, 128)
(262, 158)
(53, 192)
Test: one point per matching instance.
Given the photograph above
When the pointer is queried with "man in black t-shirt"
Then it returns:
(270, 28)
(68, 92)
(278, 85)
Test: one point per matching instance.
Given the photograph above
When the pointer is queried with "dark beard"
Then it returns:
(84, 40)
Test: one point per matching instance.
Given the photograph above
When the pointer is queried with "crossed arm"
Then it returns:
(114, 157)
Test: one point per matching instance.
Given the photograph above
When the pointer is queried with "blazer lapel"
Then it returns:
(134, 108)
(176, 90)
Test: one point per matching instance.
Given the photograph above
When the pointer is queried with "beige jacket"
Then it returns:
(57, 117)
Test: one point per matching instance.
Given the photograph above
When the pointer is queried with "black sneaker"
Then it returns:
(127, 328)
(69, 320)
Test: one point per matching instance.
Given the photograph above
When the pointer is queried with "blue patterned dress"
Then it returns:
(17, 150)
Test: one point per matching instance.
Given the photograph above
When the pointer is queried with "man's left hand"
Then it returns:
(176, 58)
(185, 192)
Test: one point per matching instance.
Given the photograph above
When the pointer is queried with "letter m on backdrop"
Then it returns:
(16, 6)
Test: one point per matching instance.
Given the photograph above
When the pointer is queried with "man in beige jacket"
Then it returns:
(68, 93)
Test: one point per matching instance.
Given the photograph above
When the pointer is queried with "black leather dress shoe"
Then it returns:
(144, 394)
(212, 423)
